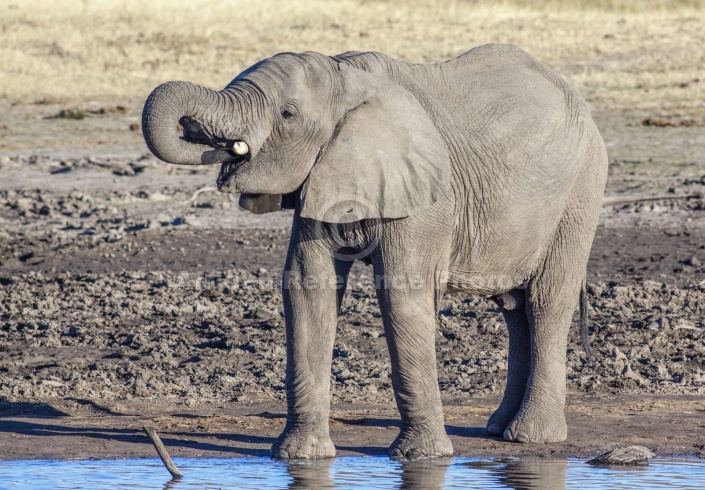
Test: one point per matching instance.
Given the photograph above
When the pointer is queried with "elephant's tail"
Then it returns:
(584, 323)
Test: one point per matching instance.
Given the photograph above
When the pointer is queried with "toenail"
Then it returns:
(414, 454)
(493, 429)
(396, 453)
(508, 436)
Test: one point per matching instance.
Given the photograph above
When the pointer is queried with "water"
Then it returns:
(348, 473)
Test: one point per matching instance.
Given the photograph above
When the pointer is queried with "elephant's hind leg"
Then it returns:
(541, 417)
(551, 299)
(513, 306)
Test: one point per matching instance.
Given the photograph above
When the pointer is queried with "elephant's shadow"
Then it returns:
(367, 450)
(471, 432)
(451, 430)
(229, 442)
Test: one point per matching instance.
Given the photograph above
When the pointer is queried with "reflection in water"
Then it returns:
(310, 474)
(171, 484)
(427, 474)
(533, 473)
(350, 472)
(549, 474)
(545, 474)
(330, 473)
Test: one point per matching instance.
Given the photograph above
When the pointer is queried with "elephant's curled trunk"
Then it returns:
(165, 107)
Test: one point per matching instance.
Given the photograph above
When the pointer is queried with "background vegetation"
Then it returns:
(645, 56)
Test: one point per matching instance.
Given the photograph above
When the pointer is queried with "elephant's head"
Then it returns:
(345, 143)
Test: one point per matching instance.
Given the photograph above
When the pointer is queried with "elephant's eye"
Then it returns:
(287, 113)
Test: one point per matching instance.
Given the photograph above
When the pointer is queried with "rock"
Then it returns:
(595, 290)
(157, 196)
(628, 373)
(618, 355)
(262, 314)
(191, 220)
(210, 293)
(52, 383)
(662, 371)
(114, 235)
(622, 366)
(631, 455)
(692, 261)
(23, 204)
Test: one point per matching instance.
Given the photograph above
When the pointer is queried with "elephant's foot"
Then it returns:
(418, 443)
(301, 444)
(501, 418)
(538, 426)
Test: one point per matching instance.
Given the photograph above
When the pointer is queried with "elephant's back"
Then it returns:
(515, 121)
(507, 79)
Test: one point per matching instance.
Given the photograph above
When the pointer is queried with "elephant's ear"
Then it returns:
(385, 159)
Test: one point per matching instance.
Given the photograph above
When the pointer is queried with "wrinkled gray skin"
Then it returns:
(482, 174)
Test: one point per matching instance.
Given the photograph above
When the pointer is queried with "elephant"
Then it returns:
(482, 174)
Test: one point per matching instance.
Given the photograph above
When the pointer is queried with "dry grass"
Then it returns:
(628, 55)
(624, 6)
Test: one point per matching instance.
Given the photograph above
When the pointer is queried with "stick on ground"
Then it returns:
(201, 191)
(617, 200)
(163, 454)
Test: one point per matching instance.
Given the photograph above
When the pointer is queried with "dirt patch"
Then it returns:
(218, 335)
(78, 429)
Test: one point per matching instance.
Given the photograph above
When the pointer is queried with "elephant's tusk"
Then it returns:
(240, 148)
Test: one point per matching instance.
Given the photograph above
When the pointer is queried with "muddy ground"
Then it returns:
(132, 293)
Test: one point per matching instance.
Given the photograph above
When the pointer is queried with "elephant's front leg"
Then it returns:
(313, 286)
(409, 315)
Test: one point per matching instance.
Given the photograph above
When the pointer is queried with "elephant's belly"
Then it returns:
(502, 249)
(496, 264)
(483, 284)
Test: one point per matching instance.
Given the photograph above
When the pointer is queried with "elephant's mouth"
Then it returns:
(227, 171)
